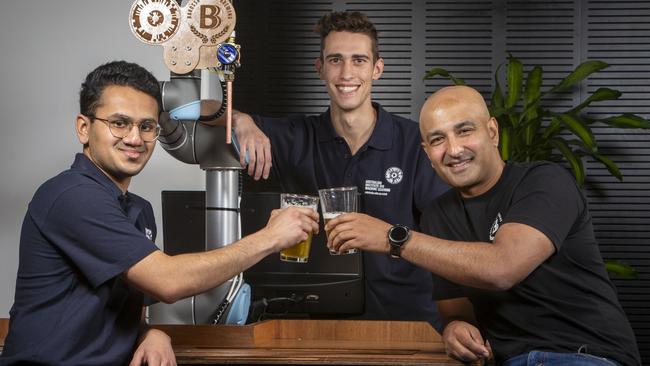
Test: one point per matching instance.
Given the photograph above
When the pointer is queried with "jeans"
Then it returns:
(540, 358)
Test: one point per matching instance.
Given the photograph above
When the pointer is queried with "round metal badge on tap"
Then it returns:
(154, 21)
(227, 53)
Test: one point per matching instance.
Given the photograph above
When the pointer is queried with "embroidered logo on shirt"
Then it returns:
(495, 226)
(376, 187)
(148, 233)
(394, 175)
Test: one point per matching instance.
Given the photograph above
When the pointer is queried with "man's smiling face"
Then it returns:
(348, 69)
(461, 139)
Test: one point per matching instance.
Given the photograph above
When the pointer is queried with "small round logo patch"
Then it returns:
(394, 175)
(154, 21)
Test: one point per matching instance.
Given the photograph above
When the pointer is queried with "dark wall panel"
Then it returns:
(619, 33)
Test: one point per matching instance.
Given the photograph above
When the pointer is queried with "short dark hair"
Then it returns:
(120, 73)
(349, 21)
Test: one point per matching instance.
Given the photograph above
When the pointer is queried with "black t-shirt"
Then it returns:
(396, 182)
(565, 303)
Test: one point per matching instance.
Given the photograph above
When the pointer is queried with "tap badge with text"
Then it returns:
(189, 34)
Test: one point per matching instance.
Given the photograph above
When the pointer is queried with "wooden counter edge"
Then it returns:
(288, 331)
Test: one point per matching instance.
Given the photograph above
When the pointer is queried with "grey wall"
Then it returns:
(47, 48)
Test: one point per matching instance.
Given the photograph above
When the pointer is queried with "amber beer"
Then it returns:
(298, 253)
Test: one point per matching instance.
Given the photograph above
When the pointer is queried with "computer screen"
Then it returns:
(325, 287)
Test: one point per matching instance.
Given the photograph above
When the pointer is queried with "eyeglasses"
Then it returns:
(120, 128)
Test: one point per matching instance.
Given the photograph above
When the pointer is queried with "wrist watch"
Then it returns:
(398, 235)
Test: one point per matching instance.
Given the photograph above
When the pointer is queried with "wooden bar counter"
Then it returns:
(305, 342)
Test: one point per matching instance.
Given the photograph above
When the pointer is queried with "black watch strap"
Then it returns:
(398, 235)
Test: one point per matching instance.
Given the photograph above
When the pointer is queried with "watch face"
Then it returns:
(398, 234)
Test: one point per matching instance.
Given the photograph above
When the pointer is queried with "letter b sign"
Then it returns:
(210, 16)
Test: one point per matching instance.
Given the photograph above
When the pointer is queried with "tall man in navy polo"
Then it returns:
(87, 256)
(356, 143)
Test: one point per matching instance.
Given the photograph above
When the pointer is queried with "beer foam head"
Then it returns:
(331, 215)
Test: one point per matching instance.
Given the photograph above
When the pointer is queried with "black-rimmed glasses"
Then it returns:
(120, 128)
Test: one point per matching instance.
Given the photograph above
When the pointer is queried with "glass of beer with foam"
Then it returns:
(336, 201)
(298, 253)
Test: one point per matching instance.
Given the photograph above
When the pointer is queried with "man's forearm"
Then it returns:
(171, 278)
(516, 251)
(465, 263)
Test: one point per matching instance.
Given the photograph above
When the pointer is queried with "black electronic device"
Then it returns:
(183, 214)
(325, 287)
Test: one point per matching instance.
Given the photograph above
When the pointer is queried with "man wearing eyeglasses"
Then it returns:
(87, 253)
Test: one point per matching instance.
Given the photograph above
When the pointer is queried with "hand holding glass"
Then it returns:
(300, 252)
(336, 201)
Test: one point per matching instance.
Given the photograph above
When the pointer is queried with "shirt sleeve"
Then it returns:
(549, 200)
(87, 224)
(280, 132)
(291, 141)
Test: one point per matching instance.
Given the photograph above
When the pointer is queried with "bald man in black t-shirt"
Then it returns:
(523, 277)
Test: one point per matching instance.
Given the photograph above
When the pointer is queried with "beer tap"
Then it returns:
(228, 55)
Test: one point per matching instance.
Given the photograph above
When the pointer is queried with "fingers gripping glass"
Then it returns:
(120, 128)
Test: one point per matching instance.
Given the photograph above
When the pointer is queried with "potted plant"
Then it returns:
(530, 130)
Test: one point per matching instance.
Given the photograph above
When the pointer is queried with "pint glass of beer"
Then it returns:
(336, 201)
(300, 252)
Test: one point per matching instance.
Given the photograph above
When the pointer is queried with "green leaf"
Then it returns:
(533, 85)
(532, 93)
(513, 117)
(599, 95)
(496, 105)
(609, 164)
(580, 73)
(504, 146)
(575, 162)
(621, 269)
(444, 73)
(627, 121)
(530, 131)
(554, 128)
(583, 132)
(515, 75)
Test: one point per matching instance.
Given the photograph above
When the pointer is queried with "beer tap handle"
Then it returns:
(228, 55)
(228, 111)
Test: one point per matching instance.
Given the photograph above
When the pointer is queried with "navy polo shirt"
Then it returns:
(396, 182)
(71, 305)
